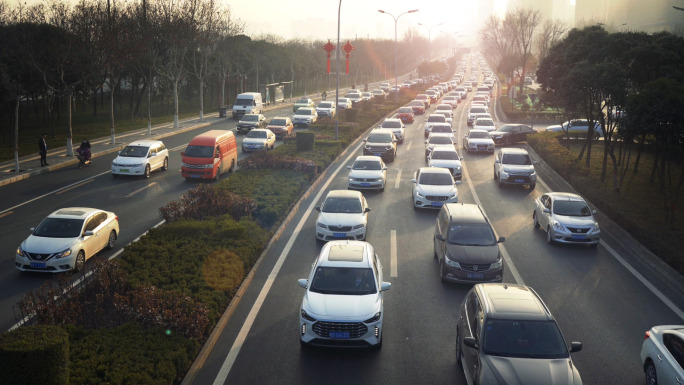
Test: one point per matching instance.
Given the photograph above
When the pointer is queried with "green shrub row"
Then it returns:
(41, 351)
(204, 201)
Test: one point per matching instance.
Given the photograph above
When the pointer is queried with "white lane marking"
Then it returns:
(504, 252)
(142, 189)
(393, 253)
(396, 183)
(52, 192)
(74, 186)
(249, 321)
(408, 146)
(178, 147)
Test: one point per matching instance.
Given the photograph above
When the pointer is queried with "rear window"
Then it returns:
(436, 118)
(391, 124)
(478, 110)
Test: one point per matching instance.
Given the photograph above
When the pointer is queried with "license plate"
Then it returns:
(519, 180)
(340, 235)
(194, 176)
(339, 335)
(579, 236)
(123, 170)
(364, 184)
(475, 275)
(38, 265)
(436, 204)
(377, 154)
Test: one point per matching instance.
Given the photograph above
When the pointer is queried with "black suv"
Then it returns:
(465, 245)
(381, 142)
(506, 334)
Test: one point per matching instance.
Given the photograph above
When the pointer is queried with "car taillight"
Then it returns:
(116, 218)
(647, 335)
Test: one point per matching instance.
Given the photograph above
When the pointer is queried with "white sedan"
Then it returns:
(343, 215)
(662, 355)
(478, 140)
(66, 239)
(433, 187)
(566, 218)
(484, 124)
(447, 157)
(259, 139)
(367, 172)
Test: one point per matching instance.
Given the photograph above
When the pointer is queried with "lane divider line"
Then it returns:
(398, 180)
(393, 253)
(6, 214)
(85, 182)
(142, 189)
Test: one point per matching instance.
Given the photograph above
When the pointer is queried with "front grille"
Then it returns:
(339, 228)
(516, 178)
(365, 179)
(436, 198)
(376, 149)
(194, 166)
(475, 267)
(578, 230)
(39, 257)
(355, 329)
(482, 147)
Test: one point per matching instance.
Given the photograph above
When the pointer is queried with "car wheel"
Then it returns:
(165, 166)
(111, 240)
(459, 352)
(549, 236)
(80, 261)
(218, 174)
(147, 171)
(532, 186)
(382, 188)
(115, 175)
(534, 218)
(442, 272)
(495, 177)
(501, 183)
(651, 376)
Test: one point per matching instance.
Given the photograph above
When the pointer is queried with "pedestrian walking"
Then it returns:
(42, 149)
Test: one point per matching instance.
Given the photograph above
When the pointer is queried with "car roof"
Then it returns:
(368, 157)
(513, 150)
(355, 254)
(382, 130)
(306, 109)
(260, 130)
(444, 147)
(478, 130)
(442, 134)
(565, 196)
(251, 115)
(392, 120)
(344, 194)
(510, 301)
(145, 142)
(73, 212)
(434, 170)
(465, 213)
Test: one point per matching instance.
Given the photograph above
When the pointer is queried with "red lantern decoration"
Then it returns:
(329, 47)
(348, 48)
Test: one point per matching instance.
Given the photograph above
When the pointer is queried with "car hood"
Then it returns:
(342, 307)
(247, 123)
(473, 254)
(253, 140)
(45, 245)
(366, 173)
(128, 160)
(275, 128)
(341, 219)
(526, 371)
(436, 190)
(519, 168)
(574, 221)
(480, 141)
(302, 117)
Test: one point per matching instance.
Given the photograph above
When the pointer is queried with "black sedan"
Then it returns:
(511, 133)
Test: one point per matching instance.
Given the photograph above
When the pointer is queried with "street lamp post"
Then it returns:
(429, 35)
(396, 76)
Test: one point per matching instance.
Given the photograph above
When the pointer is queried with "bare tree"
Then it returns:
(523, 23)
(498, 39)
(552, 32)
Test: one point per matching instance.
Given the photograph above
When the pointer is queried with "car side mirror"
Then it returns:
(471, 342)
(385, 286)
(413, 181)
(546, 210)
(32, 229)
(534, 162)
(302, 282)
(457, 182)
(349, 167)
(385, 169)
(501, 240)
(497, 161)
(182, 153)
(365, 140)
(439, 237)
(367, 210)
(593, 212)
(318, 208)
(88, 233)
(575, 347)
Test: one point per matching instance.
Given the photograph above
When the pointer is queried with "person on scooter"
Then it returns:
(84, 153)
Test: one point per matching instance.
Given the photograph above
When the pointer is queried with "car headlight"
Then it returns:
(20, 251)
(420, 195)
(596, 227)
(322, 225)
(307, 317)
(388, 148)
(453, 195)
(497, 265)
(356, 227)
(63, 253)
(451, 262)
(375, 318)
(503, 174)
(457, 168)
(559, 227)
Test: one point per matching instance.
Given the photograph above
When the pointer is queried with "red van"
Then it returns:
(209, 154)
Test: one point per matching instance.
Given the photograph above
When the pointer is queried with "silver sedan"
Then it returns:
(566, 218)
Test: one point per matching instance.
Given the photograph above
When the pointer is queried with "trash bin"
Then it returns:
(222, 112)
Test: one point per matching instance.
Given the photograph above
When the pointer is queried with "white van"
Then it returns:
(248, 103)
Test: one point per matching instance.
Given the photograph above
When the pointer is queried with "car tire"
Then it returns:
(501, 183)
(651, 375)
(232, 166)
(549, 236)
(534, 219)
(115, 175)
(111, 240)
(459, 352)
(218, 174)
(442, 273)
(495, 177)
(382, 189)
(165, 165)
(79, 264)
(532, 186)
(147, 172)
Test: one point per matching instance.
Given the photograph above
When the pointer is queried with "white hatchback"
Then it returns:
(140, 158)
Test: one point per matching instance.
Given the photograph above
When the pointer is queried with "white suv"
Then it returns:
(514, 166)
(140, 158)
(343, 303)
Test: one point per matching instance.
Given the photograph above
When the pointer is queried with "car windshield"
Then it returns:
(505, 129)
(134, 151)
(59, 228)
(250, 118)
(304, 111)
(516, 159)
(342, 205)
(471, 235)
(278, 122)
(436, 118)
(379, 138)
(199, 151)
(343, 281)
(422, 96)
(243, 102)
(440, 140)
(302, 101)
(478, 110)
(446, 129)
(479, 135)
(391, 124)
(405, 110)
(527, 339)
(325, 105)
(366, 165)
(451, 155)
(445, 108)
(571, 208)
(257, 134)
(484, 122)
(435, 179)
(417, 103)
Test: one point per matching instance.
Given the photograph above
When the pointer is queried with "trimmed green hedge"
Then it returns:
(35, 355)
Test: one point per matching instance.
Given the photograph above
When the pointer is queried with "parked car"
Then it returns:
(305, 116)
(511, 133)
(465, 245)
(367, 172)
(577, 127)
(66, 239)
(381, 142)
(506, 329)
(447, 157)
(478, 140)
(280, 126)
(141, 158)
(250, 122)
(258, 139)
(406, 114)
(397, 127)
(326, 109)
(514, 166)
(662, 355)
(566, 218)
(433, 187)
(343, 303)
(302, 102)
(343, 215)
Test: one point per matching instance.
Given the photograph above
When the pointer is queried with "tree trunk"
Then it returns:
(70, 132)
(175, 102)
(16, 134)
(112, 130)
(642, 143)
(201, 95)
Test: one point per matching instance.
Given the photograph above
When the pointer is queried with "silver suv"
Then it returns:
(514, 166)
